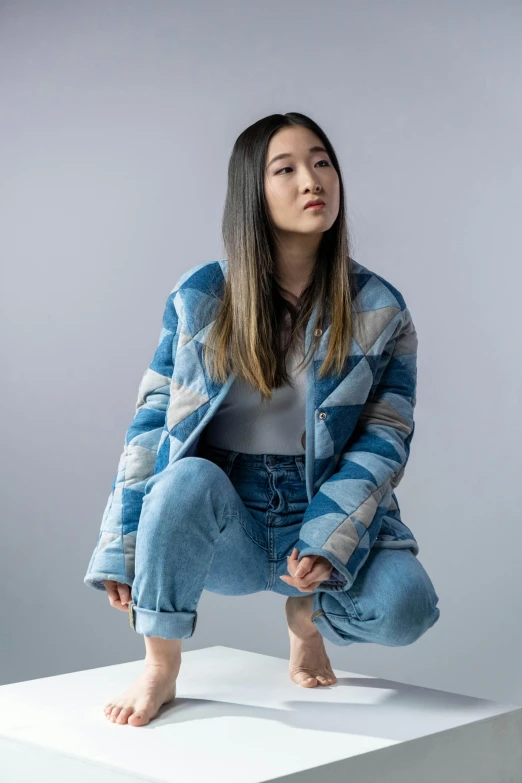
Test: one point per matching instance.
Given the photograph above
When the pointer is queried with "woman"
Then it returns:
(287, 349)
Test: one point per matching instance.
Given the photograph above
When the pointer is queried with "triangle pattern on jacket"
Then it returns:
(359, 425)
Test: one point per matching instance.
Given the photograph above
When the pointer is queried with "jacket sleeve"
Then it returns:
(343, 518)
(113, 556)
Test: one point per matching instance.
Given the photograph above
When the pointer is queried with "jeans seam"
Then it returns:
(352, 601)
(236, 516)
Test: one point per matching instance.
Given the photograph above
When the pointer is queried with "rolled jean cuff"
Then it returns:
(167, 625)
(324, 626)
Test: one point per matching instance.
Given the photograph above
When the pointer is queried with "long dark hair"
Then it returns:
(246, 334)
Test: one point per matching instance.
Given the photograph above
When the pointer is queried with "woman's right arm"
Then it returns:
(113, 558)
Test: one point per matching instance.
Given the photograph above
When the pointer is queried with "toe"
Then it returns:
(115, 712)
(124, 714)
(137, 718)
(322, 679)
(304, 678)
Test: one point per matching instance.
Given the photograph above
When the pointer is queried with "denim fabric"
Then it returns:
(359, 424)
(224, 521)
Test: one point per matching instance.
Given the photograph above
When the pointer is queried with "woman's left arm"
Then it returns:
(344, 517)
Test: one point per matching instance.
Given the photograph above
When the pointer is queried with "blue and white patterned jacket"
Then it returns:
(359, 426)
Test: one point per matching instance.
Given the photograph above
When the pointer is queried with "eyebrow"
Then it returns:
(316, 148)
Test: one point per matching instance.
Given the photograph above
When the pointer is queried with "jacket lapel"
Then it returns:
(333, 403)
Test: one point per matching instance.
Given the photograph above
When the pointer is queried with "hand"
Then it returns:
(119, 594)
(309, 573)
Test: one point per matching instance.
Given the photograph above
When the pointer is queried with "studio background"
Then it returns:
(118, 119)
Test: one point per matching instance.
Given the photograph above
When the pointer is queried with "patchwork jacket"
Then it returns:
(359, 426)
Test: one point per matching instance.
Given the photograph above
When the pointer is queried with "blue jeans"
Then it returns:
(225, 522)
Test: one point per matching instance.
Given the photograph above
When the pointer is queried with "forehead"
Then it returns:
(293, 141)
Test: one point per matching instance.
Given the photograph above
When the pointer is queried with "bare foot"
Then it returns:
(309, 663)
(142, 701)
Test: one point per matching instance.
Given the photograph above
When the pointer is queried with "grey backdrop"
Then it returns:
(118, 119)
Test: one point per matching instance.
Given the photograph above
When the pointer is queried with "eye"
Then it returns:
(289, 167)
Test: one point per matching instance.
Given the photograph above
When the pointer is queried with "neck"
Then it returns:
(295, 262)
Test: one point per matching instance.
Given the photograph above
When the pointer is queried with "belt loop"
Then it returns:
(229, 464)
(299, 465)
(131, 615)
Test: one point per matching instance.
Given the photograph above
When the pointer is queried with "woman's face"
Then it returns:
(293, 180)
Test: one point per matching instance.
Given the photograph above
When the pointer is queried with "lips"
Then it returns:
(314, 203)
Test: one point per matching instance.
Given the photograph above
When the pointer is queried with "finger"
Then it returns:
(290, 581)
(115, 601)
(312, 587)
(291, 564)
(305, 565)
(301, 580)
(309, 589)
(114, 597)
(112, 593)
(317, 573)
(124, 593)
(319, 569)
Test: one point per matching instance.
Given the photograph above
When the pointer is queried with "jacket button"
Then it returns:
(322, 415)
(318, 332)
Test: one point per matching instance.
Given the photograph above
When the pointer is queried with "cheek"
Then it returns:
(277, 200)
(273, 195)
(336, 195)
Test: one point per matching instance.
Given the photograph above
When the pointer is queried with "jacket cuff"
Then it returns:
(95, 579)
(109, 561)
(340, 578)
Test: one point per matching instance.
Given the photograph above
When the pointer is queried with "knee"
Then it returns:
(407, 615)
(191, 467)
(188, 473)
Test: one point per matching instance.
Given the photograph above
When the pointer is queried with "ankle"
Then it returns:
(299, 617)
(162, 653)
(301, 599)
(302, 605)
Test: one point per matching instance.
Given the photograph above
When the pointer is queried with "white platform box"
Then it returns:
(238, 718)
